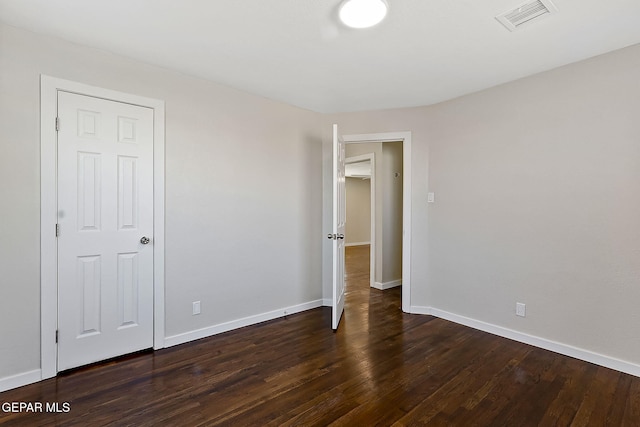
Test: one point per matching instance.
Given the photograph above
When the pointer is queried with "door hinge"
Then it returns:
(57, 124)
(57, 334)
(57, 230)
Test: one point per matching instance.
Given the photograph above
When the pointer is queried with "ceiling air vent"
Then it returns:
(526, 13)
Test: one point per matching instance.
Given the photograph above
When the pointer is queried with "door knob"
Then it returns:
(340, 236)
(145, 240)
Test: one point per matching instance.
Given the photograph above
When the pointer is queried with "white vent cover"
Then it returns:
(526, 13)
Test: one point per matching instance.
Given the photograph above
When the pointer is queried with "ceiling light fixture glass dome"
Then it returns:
(362, 13)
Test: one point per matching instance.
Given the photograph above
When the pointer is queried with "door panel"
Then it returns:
(128, 290)
(90, 285)
(105, 206)
(89, 186)
(127, 195)
(339, 221)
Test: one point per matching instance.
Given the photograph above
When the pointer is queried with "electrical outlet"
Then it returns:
(196, 307)
(521, 309)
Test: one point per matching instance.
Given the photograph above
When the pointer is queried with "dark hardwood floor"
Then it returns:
(382, 367)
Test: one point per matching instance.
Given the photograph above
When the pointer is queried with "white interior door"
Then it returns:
(339, 220)
(105, 217)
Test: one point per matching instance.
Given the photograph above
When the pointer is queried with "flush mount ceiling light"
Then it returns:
(362, 13)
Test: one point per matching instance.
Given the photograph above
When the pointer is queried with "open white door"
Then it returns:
(339, 219)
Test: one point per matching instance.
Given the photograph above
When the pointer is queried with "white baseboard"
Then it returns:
(418, 309)
(239, 323)
(327, 302)
(357, 244)
(19, 380)
(565, 349)
(387, 285)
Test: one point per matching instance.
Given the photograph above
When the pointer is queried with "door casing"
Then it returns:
(49, 87)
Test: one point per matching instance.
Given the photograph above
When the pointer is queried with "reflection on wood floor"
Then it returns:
(357, 283)
(381, 367)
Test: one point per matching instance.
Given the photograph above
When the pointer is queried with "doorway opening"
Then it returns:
(373, 175)
(361, 207)
(403, 140)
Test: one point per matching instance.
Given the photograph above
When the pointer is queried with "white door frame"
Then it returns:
(49, 87)
(371, 157)
(405, 138)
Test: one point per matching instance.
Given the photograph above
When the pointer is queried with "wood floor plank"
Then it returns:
(381, 368)
(632, 403)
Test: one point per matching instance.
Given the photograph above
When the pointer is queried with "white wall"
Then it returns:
(358, 225)
(391, 182)
(243, 192)
(536, 185)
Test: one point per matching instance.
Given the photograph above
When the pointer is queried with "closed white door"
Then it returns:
(339, 221)
(105, 217)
